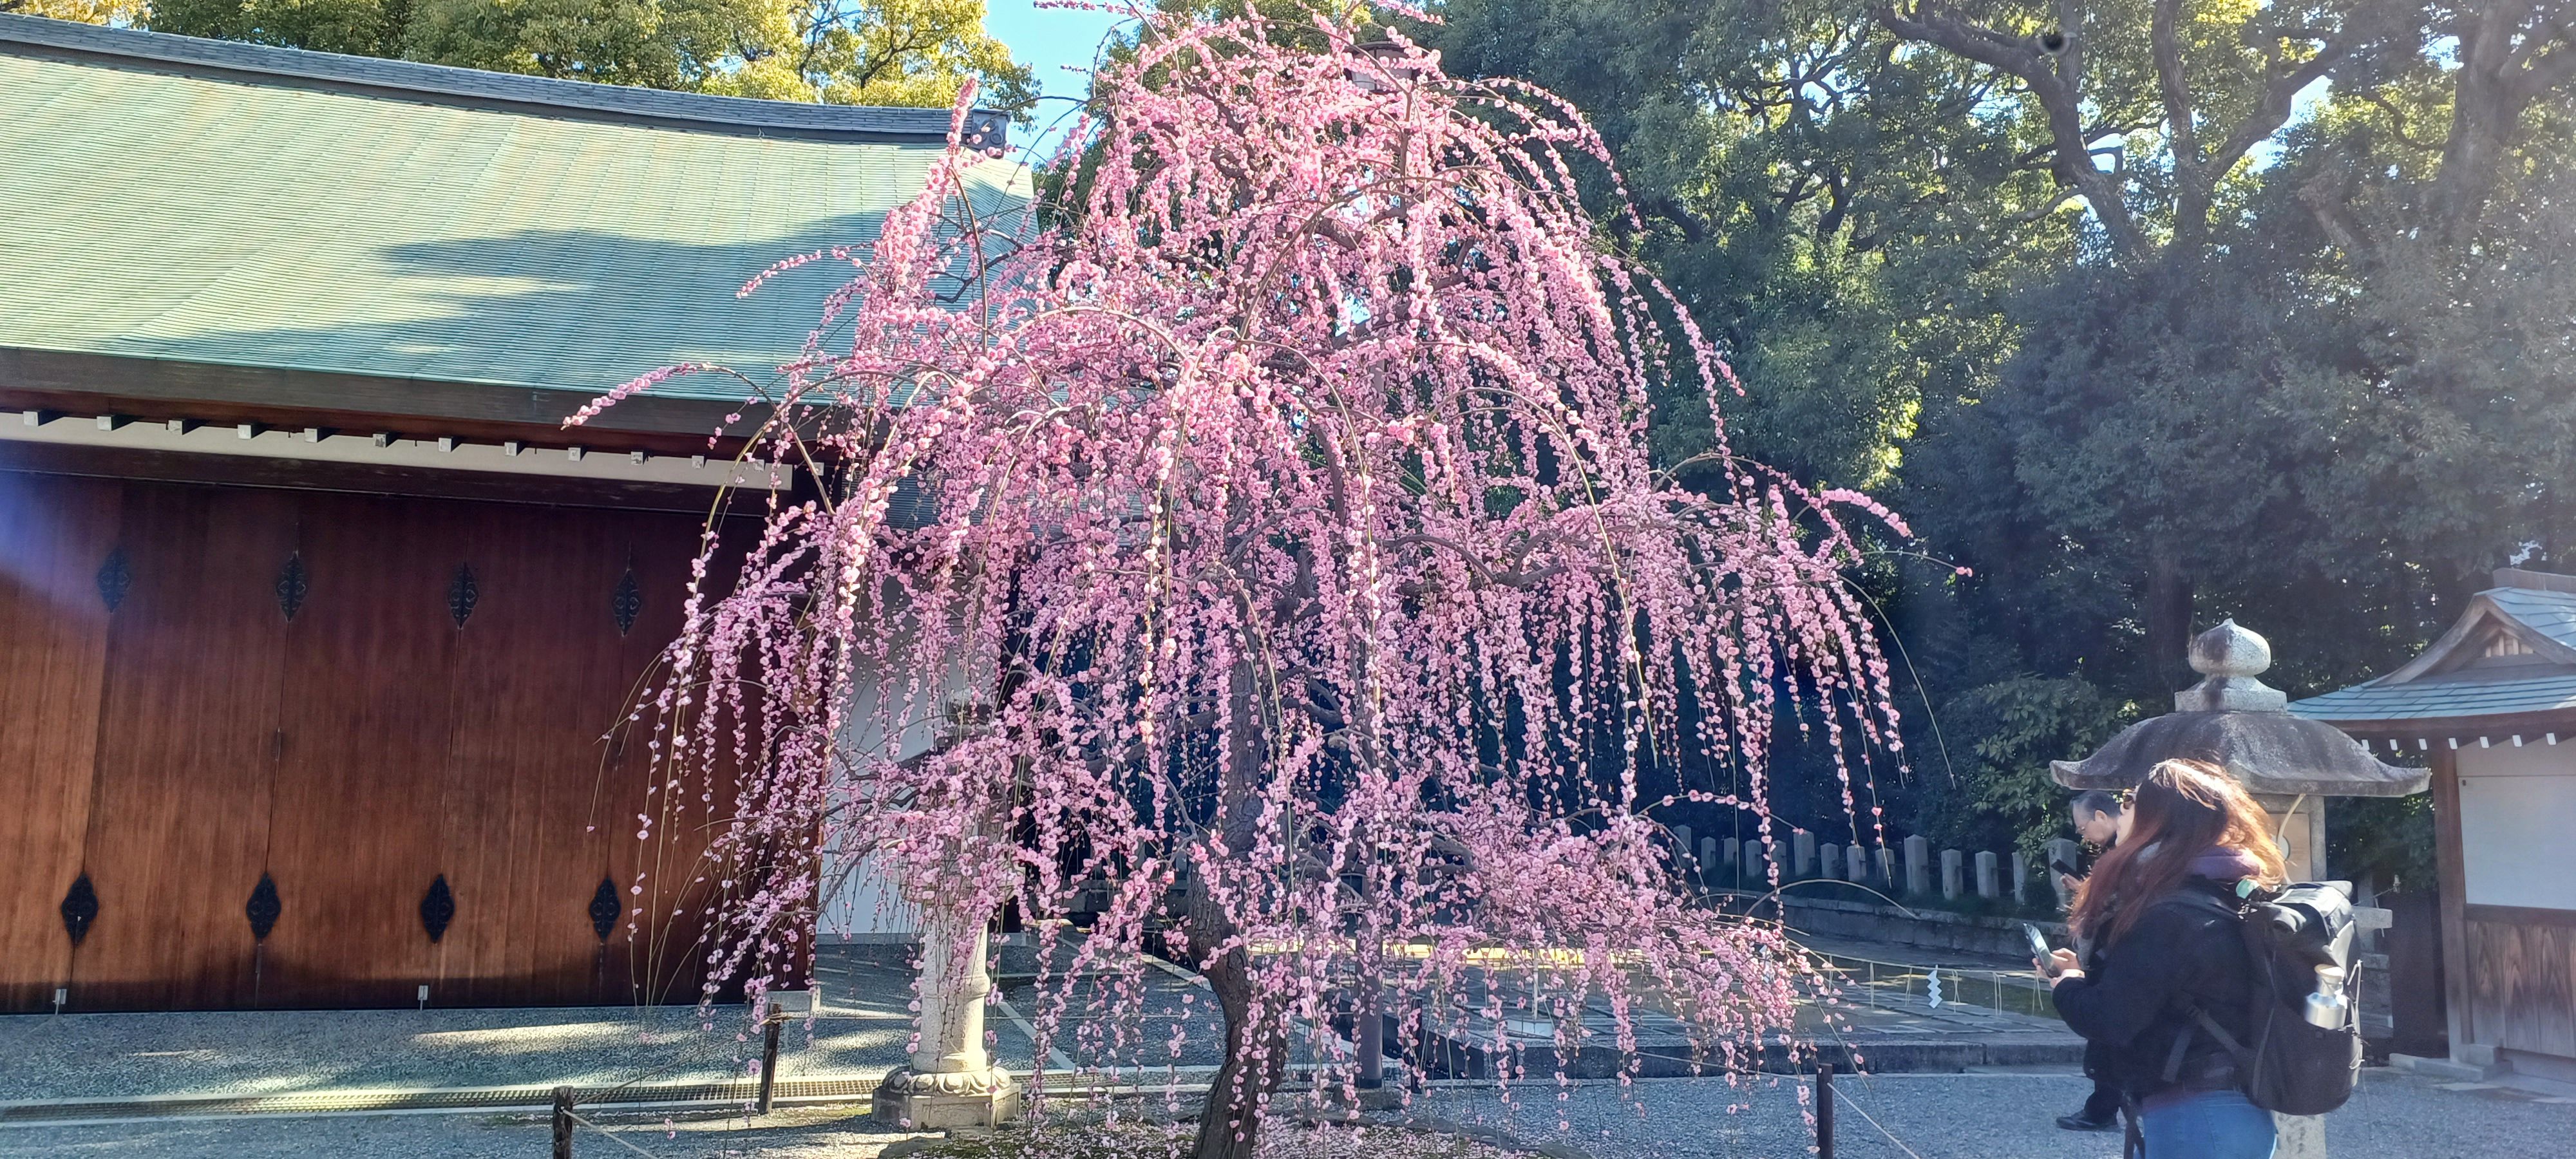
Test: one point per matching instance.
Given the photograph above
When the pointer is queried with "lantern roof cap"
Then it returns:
(2235, 721)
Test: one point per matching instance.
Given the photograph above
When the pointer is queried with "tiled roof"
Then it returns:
(2551, 614)
(2481, 689)
(249, 206)
(2459, 695)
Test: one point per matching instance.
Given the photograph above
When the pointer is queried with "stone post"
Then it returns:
(1951, 863)
(950, 1081)
(2020, 878)
(1988, 885)
(1754, 873)
(1803, 844)
(1886, 868)
(1683, 848)
(1708, 861)
(2066, 850)
(1859, 859)
(1735, 859)
(1918, 865)
(1779, 855)
(1829, 860)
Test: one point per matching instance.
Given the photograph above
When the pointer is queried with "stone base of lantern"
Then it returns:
(948, 1100)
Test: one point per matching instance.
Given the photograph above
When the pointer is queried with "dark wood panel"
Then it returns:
(55, 535)
(664, 959)
(2458, 1004)
(2523, 981)
(188, 742)
(365, 742)
(541, 804)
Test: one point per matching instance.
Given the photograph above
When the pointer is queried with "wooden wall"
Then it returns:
(179, 746)
(2510, 970)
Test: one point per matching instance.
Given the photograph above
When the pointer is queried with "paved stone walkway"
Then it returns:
(863, 1031)
(1967, 1116)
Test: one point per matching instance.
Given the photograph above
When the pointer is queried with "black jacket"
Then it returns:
(2132, 1004)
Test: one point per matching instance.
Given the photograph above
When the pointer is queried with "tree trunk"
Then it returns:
(1230, 1124)
(2168, 623)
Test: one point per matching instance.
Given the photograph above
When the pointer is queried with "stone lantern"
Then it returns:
(2235, 721)
(2289, 764)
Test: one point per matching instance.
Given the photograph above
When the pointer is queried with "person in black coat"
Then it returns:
(2157, 957)
(2099, 817)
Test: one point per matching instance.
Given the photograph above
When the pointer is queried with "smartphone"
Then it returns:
(2059, 865)
(2039, 948)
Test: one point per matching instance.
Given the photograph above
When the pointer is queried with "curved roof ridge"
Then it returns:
(447, 84)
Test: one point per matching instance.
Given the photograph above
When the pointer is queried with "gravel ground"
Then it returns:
(1973, 1116)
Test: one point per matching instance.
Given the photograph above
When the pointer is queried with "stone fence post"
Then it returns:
(1829, 860)
(1918, 865)
(1951, 863)
(1886, 868)
(1803, 844)
(1859, 862)
(2020, 878)
(1988, 887)
(1708, 862)
(1753, 873)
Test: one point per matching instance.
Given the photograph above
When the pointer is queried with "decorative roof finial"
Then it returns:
(2230, 657)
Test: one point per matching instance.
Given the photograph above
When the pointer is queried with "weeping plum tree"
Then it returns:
(1280, 498)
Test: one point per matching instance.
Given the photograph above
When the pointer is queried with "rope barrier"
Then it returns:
(612, 1136)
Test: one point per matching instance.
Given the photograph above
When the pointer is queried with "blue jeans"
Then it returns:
(2205, 1125)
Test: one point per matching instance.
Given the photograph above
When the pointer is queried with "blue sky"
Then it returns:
(1049, 41)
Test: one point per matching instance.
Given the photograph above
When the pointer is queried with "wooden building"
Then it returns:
(315, 622)
(2492, 707)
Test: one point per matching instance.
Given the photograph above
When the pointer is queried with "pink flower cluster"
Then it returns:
(1265, 555)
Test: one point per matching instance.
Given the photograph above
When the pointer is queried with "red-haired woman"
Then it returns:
(2191, 829)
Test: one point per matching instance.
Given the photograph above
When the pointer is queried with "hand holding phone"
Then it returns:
(2039, 954)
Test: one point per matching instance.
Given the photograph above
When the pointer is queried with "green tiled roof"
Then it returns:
(231, 204)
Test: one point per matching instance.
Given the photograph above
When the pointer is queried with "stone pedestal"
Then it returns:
(950, 1082)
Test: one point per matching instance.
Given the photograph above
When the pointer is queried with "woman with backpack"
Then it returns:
(2161, 959)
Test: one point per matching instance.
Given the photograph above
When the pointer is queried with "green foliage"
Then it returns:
(2012, 729)
(2284, 340)
(873, 52)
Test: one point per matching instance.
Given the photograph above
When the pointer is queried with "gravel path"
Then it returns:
(1972, 1116)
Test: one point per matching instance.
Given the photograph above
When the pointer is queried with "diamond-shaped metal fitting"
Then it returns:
(462, 593)
(437, 909)
(80, 908)
(114, 579)
(604, 908)
(626, 602)
(263, 908)
(292, 585)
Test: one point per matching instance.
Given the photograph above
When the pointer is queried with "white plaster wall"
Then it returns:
(2518, 824)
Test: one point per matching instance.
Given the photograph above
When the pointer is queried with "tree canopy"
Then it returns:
(2145, 312)
(864, 52)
